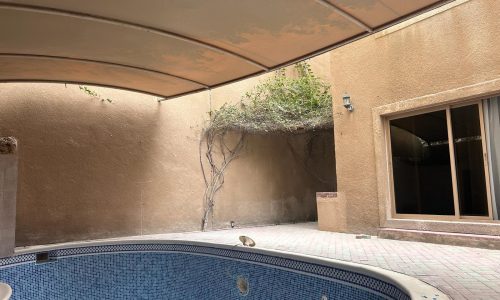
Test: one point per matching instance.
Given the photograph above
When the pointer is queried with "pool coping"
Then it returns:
(5, 291)
(413, 287)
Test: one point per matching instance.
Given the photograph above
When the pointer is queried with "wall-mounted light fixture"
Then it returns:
(347, 102)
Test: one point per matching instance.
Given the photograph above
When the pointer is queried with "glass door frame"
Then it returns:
(457, 215)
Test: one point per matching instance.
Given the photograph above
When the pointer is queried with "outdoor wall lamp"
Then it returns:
(347, 102)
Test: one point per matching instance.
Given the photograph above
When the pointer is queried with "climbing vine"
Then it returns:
(280, 105)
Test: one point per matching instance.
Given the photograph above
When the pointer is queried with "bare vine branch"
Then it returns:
(281, 104)
(307, 151)
(215, 180)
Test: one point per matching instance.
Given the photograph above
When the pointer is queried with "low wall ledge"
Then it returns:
(8, 145)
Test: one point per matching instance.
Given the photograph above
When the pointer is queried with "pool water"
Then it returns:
(195, 273)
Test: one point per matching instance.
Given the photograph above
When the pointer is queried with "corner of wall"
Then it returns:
(8, 191)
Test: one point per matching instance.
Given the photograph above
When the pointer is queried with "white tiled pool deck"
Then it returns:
(461, 272)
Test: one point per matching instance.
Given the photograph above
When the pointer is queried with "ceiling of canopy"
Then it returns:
(171, 48)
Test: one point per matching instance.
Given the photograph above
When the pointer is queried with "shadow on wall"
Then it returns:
(287, 170)
(90, 169)
(79, 161)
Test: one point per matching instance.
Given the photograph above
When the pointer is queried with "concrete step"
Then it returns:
(436, 237)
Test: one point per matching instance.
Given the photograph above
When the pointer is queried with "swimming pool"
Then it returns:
(188, 270)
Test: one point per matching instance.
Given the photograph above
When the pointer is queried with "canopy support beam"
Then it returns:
(345, 14)
(51, 57)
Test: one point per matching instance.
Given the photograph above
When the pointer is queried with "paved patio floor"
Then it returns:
(461, 272)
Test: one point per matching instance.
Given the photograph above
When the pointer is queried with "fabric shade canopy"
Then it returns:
(171, 48)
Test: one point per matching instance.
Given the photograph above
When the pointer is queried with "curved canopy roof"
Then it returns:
(174, 47)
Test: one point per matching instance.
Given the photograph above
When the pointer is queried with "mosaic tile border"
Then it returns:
(377, 285)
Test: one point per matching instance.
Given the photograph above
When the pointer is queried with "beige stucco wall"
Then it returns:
(442, 51)
(91, 169)
(8, 192)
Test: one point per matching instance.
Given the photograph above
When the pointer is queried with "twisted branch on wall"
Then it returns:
(279, 105)
(308, 147)
(215, 177)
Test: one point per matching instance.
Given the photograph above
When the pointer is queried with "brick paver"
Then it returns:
(461, 272)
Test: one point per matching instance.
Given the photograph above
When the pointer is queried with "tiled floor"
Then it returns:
(461, 272)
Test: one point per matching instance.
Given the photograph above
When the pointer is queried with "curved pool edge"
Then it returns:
(412, 286)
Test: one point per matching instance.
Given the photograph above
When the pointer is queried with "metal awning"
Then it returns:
(175, 47)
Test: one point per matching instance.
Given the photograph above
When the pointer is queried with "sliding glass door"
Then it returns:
(492, 133)
(469, 160)
(438, 163)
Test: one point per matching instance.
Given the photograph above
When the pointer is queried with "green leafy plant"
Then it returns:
(93, 93)
(279, 105)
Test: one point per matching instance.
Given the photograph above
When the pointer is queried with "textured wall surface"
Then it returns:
(8, 188)
(438, 52)
(91, 169)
